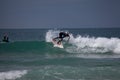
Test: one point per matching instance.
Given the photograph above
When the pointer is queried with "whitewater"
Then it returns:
(90, 54)
(88, 45)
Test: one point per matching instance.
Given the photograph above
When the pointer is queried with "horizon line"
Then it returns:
(60, 28)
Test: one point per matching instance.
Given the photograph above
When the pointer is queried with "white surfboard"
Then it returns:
(57, 45)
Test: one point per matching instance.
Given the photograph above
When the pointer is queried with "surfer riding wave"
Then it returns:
(61, 36)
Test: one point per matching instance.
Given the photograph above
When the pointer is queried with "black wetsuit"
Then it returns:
(5, 39)
(61, 36)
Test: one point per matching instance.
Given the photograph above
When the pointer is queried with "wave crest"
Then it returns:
(81, 44)
(94, 45)
(12, 74)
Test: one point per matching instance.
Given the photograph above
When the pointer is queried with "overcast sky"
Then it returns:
(59, 13)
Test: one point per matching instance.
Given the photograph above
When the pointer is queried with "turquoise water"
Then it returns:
(91, 54)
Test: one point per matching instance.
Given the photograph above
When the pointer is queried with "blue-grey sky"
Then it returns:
(59, 13)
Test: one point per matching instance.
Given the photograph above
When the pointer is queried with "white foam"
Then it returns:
(95, 56)
(51, 34)
(81, 44)
(12, 75)
(94, 45)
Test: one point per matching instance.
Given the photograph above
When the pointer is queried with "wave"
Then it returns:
(12, 75)
(81, 44)
(78, 46)
(29, 47)
(94, 45)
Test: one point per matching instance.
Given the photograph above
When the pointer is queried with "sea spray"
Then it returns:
(12, 75)
(95, 45)
(51, 34)
(81, 44)
(41, 61)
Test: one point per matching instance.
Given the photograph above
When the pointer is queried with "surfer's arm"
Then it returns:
(55, 38)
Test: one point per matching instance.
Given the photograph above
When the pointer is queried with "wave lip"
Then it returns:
(95, 45)
(12, 75)
(81, 44)
(51, 34)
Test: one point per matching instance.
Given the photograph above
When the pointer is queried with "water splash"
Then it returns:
(12, 75)
(81, 44)
(94, 45)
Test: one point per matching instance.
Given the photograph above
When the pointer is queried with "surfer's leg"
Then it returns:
(59, 42)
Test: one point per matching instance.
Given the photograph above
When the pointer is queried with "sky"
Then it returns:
(59, 13)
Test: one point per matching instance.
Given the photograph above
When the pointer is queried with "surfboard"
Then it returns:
(57, 45)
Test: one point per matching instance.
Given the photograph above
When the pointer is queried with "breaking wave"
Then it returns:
(12, 75)
(81, 44)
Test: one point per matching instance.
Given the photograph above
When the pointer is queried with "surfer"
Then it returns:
(5, 39)
(61, 36)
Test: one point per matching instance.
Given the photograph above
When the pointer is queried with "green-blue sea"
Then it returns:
(90, 54)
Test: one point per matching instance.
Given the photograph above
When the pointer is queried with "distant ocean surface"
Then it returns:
(90, 54)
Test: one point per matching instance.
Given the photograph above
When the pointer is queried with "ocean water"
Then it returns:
(91, 54)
